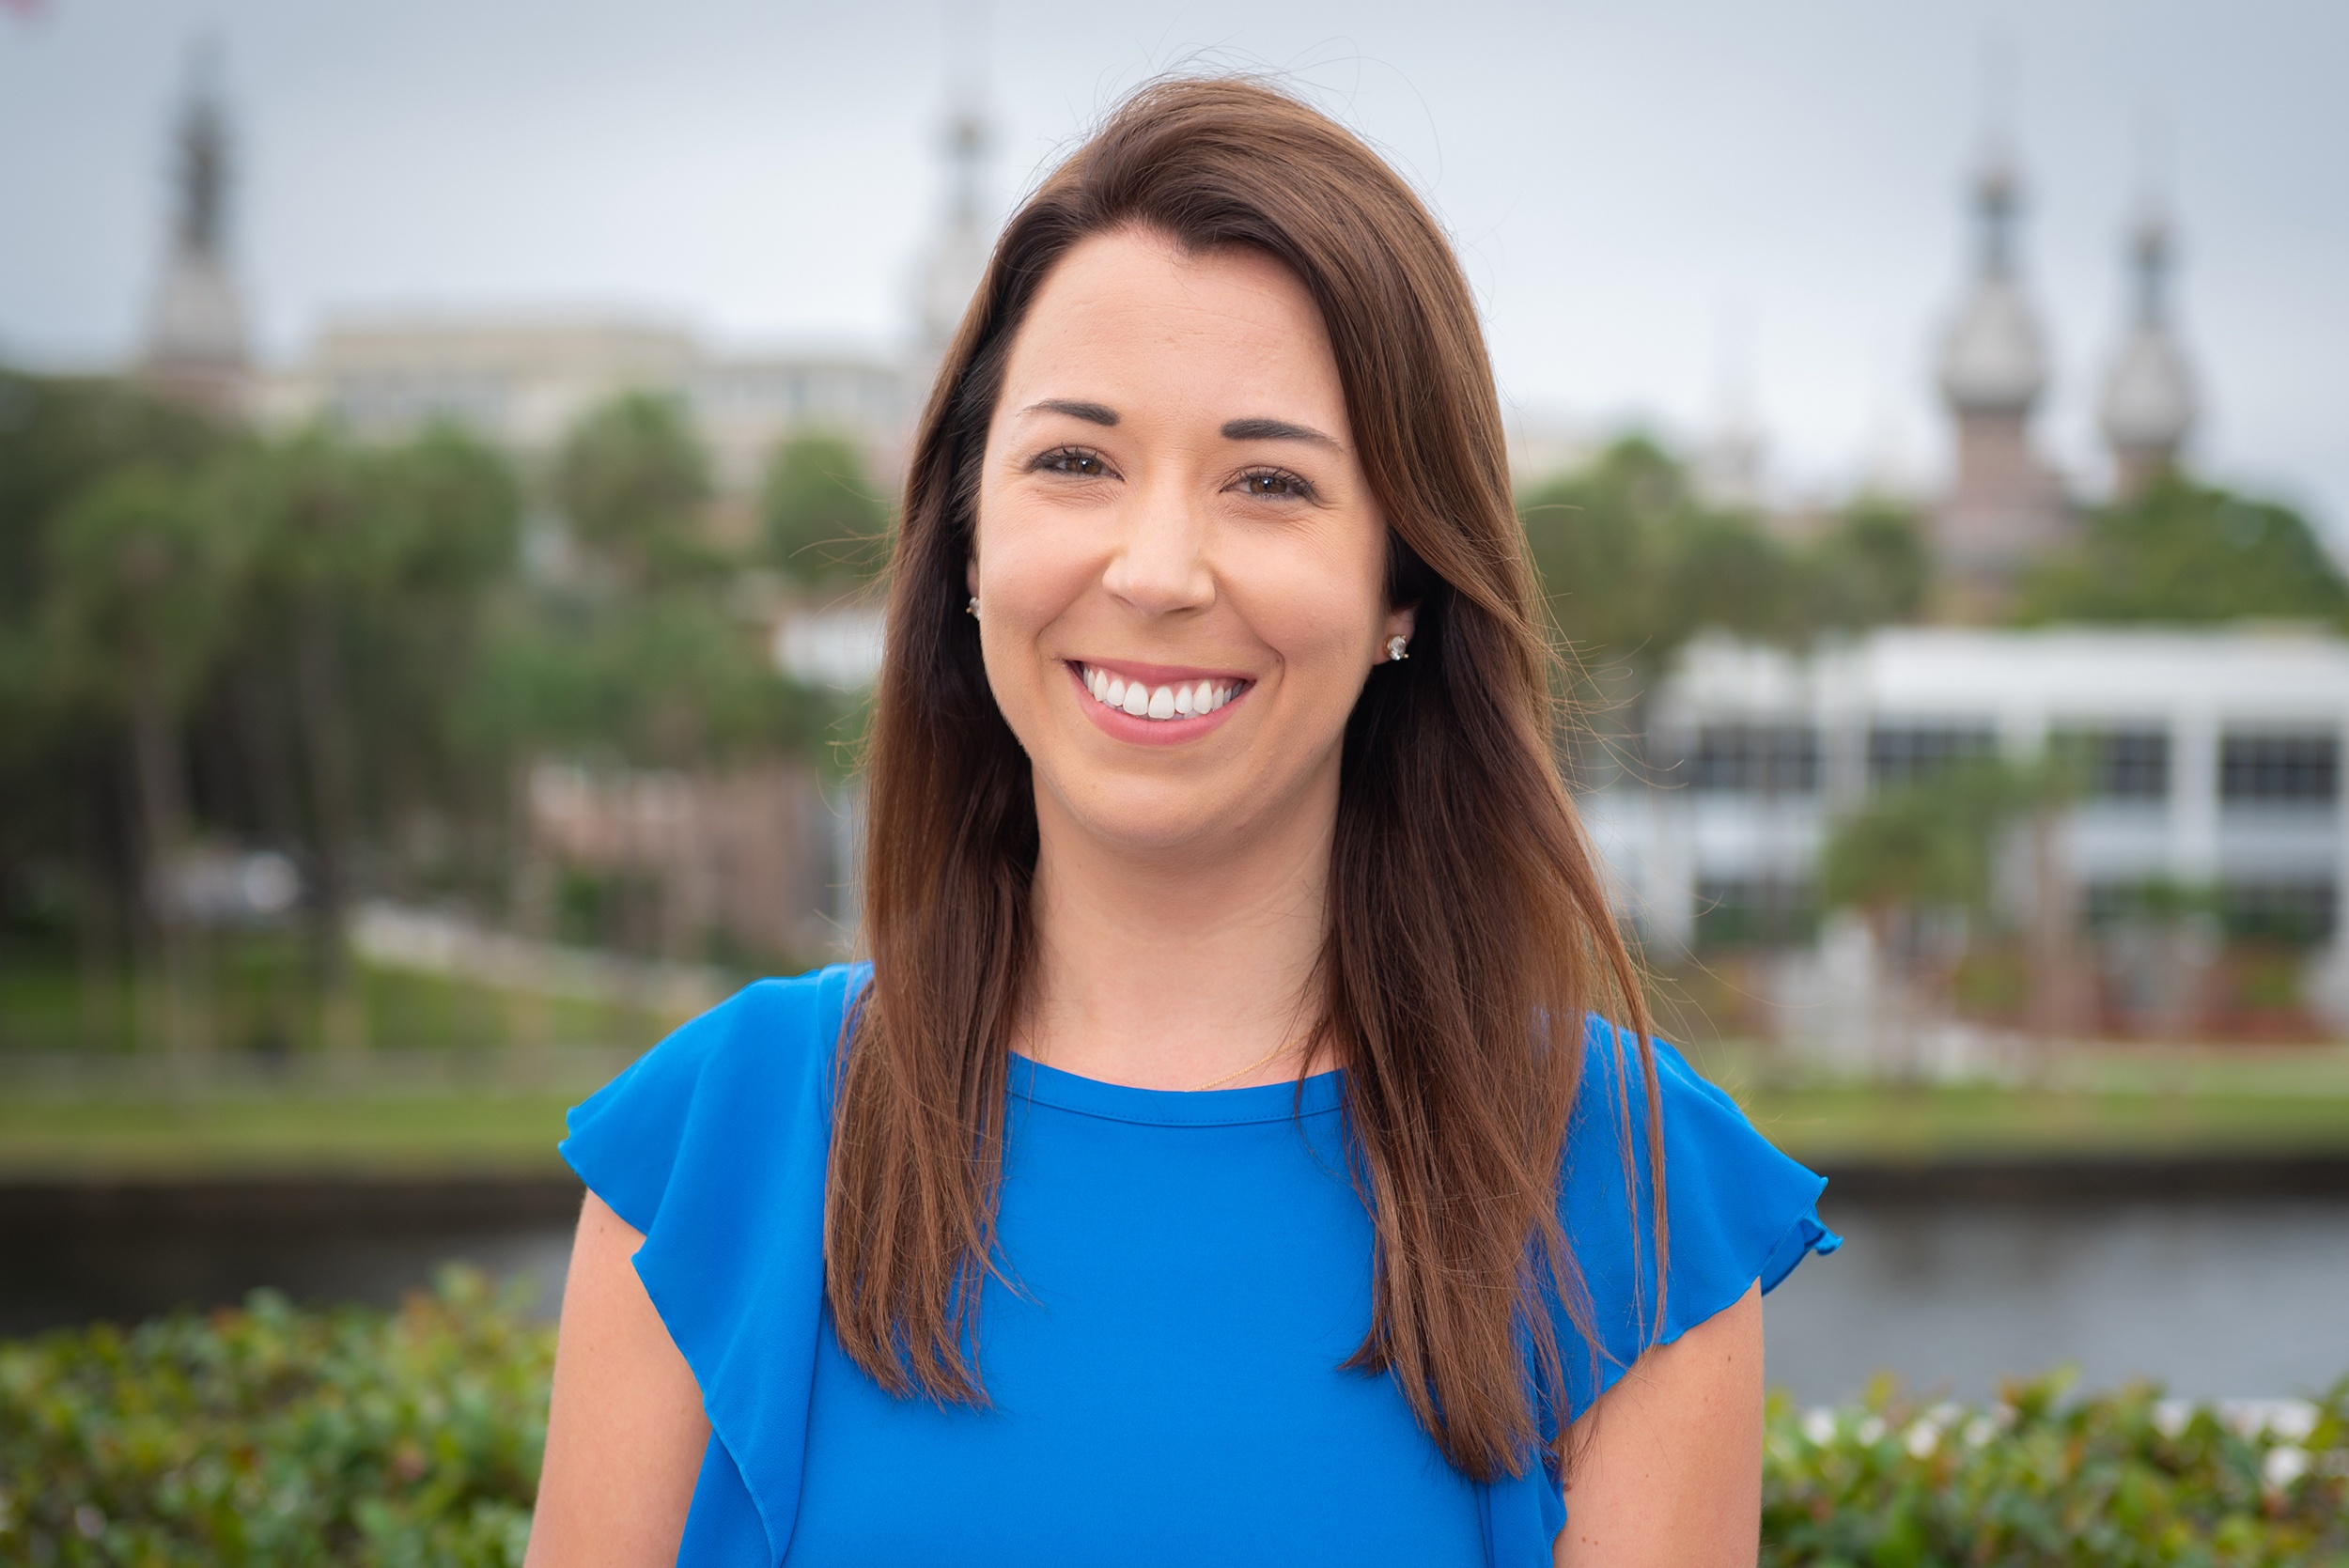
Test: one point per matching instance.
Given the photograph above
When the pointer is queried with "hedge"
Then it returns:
(270, 1436)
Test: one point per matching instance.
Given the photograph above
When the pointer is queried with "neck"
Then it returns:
(1174, 967)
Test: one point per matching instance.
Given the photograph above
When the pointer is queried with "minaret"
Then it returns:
(195, 335)
(2149, 402)
(2006, 506)
(959, 251)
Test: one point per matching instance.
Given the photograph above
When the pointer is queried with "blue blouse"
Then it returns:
(1187, 1273)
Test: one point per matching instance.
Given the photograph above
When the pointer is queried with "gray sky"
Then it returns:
(1659, 204)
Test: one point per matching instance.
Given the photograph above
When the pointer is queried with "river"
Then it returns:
(2246, 1296)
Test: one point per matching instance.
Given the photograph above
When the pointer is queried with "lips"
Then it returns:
(1156, 704)
(1162, 702)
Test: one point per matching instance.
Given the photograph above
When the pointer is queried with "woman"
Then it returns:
(1212, 1165)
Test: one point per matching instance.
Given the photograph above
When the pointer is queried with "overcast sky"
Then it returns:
(1665, 208)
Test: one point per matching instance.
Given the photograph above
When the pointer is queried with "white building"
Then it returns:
(2214, 761)
(523, 382)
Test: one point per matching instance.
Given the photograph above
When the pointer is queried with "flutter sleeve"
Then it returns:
(1738, 1213)
(713, 1144)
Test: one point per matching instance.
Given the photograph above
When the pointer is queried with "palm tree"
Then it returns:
(142, 572)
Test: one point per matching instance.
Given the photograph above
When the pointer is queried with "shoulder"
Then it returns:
(1735, 1210)
(1611, 1094)
(761, 1058)
(714, 1146)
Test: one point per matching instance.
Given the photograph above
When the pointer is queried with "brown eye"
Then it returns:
(1275, 485)
(1077, 463)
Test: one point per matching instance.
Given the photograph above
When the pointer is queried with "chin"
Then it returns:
(1152, 818)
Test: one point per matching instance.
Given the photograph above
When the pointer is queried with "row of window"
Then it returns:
(1785, 912)
(2302, 768)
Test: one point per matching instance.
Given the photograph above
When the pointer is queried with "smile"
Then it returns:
(1161, 704)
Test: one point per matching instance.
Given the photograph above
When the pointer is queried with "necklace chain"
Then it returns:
(1242, 1072)
(1237, 1072)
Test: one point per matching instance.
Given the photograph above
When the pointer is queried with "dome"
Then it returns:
(2149, 403)
(1995, 359)
(2149, 395)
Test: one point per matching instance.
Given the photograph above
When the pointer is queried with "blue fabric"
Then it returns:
(1186, 1273)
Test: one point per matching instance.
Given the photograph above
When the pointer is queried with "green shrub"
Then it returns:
(2116, 1481)
(270, 1436)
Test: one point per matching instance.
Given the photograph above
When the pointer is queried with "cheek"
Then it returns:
(1317, 608)
(1032, 565)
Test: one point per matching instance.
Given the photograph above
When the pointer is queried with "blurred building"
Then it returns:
(956, 257)
(2005, 506)
(524, 382)
(2211, 763)
(2149, 395)
(758, 857)
(195, 344)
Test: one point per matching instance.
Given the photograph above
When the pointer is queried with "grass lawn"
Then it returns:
(2210, 1100)
(420, 1134)
(1827, 1125)
(2294, 1103)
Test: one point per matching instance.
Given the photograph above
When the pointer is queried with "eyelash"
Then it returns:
(1053, 462)
(1300, 488)
(1065, 461)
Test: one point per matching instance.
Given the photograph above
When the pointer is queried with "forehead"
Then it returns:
(1135, 320)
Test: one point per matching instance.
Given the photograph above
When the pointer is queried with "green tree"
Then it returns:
(1870, 567)
(61, 746)
(2186, 552)
(1633, 562)
(369, 572)
(634, 482)
(827, 524)
(140, 573)
(1599, 540)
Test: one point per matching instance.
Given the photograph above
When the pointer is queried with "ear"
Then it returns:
(970, 574)
(1401, 621)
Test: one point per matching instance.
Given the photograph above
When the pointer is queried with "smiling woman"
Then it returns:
(1227, 1155)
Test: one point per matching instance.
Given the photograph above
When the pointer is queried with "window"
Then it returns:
(1907, 754)
(2301, 913)
(1755, 759)
(1765, 911)
(2119, 764)
(2279, 770)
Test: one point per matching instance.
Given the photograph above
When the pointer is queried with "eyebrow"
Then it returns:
(1092, 413)
(1276, 430)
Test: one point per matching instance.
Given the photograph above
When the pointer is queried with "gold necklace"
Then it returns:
(1034, 1055)
(1243, 1072)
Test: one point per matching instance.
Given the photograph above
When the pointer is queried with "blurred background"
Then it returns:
(445, 451)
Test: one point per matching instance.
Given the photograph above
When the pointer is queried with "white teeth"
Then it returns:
(1166, 702)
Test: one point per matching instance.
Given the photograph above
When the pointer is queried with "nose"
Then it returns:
(1161, 567)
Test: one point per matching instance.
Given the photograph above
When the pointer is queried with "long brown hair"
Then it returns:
(1469, 929)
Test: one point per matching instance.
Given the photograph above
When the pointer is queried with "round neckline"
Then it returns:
(1031, 1079)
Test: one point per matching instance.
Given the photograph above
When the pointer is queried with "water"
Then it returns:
(2217, 1299)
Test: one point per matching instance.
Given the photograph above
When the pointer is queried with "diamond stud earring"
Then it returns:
(1398, 649)
(972, 608)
